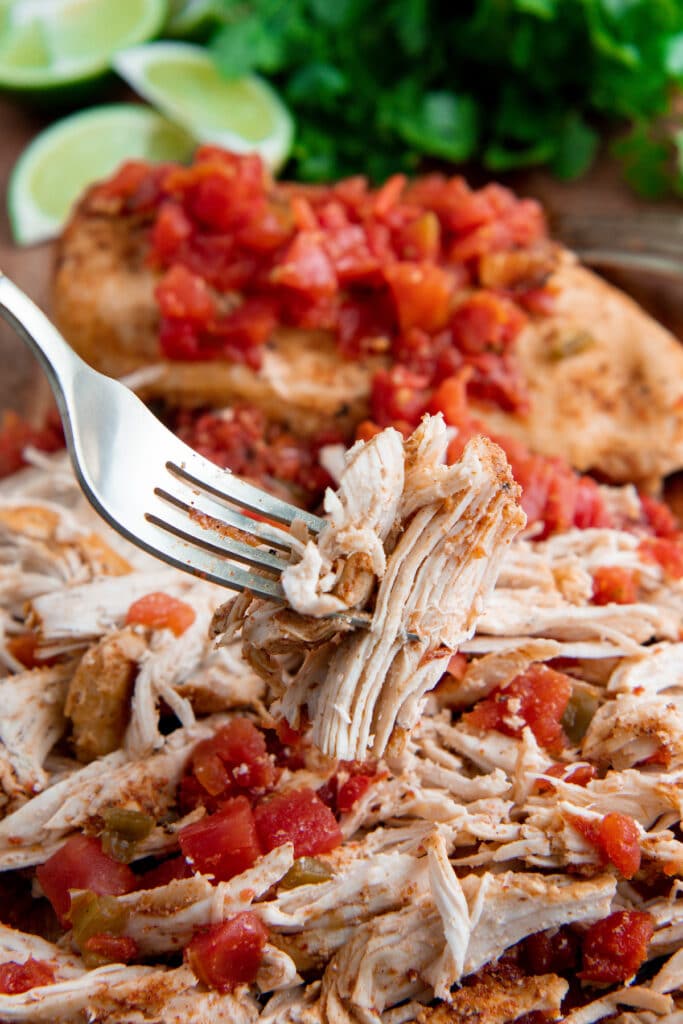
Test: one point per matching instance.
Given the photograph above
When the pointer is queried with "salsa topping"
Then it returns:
(614, 948)
(81, 863)
(228, 954)
(299, 817)
(616, 837)
(536, 698)
(161, 611)
(16, 977)
(387, 269)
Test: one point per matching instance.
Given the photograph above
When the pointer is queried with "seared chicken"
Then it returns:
(605, 381)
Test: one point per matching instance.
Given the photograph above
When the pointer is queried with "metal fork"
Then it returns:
(648, 240)
(148, 484)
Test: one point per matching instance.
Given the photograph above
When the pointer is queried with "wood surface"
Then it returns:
(22, 384)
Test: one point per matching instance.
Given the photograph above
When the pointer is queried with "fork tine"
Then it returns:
(203, 561)
(223, 484)
(224, 517)
(217, 540)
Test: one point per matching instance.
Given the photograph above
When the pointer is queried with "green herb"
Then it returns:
(380, 85)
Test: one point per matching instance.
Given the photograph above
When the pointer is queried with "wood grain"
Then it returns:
(22, 382)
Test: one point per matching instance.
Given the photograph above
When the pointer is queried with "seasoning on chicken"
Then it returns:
(433, 537)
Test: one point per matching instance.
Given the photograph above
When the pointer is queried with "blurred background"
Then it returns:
(577, 104)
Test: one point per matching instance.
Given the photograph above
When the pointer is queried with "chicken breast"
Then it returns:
(605, 381)
(104, 304)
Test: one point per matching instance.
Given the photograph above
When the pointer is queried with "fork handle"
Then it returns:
(57, 358)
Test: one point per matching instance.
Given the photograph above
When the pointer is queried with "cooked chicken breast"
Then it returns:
(104, 304)
(605, 380)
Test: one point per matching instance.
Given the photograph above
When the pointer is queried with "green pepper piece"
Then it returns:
(123, 829)
(92, 914)
(306, 871)
(579, 715)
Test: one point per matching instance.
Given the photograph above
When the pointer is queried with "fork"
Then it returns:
(649, 240)
(148, 484)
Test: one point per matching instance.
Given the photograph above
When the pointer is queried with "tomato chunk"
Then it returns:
(16, 978)
(223, 844)
(422, 293)
(614, 585)
(111, 949)
(183, 295)
(228, 954)
(537, 698)
(552, 952)
(352, 790)
(666, 552)
(614, 948)
(82, 864)
(162, 874)
(617, 839)
(234, 760)
(299, 817)
(161, 611)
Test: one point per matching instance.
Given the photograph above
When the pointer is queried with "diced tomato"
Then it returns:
(551, 952)
(299, 817)
(183, 295)
(250, 445)
(234, 760)
(614, 948)
(246, 329)
(165, 872)
(537, 697)
(161, 611)
(348, 249)
(306, 267)
(422, 293)
(659, 517)
(420, 239)
(286, 745)
(171, 230)
(666, 552)
(450, 398)
(398, 394)
(486, 322)
(613, 584)
(616, 837)
(228, 954)
(352, 790)
(16, 435)
(16, 978)
(580, 775)
(113, 949)
(223, 844)
(22, 646)
(81, 863)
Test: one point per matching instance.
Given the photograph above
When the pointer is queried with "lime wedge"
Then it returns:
(49, 44)
(78, 150)
(240, 114)
(191, 18)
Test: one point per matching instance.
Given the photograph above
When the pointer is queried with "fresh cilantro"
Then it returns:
(380, 85)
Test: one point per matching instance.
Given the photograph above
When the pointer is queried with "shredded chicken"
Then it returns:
(433, 536)
(462, 842)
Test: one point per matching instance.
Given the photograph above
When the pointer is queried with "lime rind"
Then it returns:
(181, 80)
(77, 150)
(42, 47)
(190, 18)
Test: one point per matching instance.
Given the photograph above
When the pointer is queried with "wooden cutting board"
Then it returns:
(22, 384)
